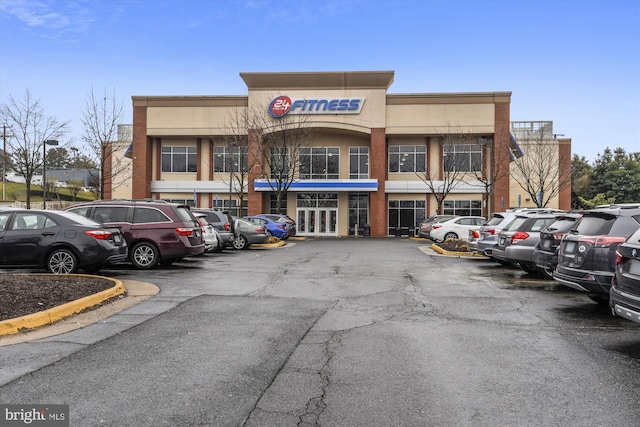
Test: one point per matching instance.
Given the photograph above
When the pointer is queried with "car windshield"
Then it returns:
(497, 219)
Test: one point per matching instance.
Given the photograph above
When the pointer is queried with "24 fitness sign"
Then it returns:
(282, 105)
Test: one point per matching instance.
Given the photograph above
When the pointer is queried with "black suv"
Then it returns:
(156, 231)
(222, 222)
(587, 254)
(545, 254)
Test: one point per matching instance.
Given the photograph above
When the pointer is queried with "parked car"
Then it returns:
(424, 228)
(486, 237)
(222, 222)
(624, 295)
(290, 224)
(587, 254)
(211, 243)
(275, 229)
(545, 253)
(457, 227)
(484, 240)
(60, 242)
(517, 240)
(247, 234)
(156, 231)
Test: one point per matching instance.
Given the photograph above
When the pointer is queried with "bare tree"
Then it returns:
(103, 132)
(30, 128)
(277, 153)
(493, 168)
(442, 177)
(541, 172)
(235, 140)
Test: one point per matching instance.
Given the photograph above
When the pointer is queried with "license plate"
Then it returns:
(501, 242)
(570, 247)
(634, 267)
(117, 238)
(546, 244)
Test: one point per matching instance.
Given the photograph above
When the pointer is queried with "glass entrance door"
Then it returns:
(317, 221)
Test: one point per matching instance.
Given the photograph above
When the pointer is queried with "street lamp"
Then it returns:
(44, 170)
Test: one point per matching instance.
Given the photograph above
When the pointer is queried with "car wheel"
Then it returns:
(240, 242)
(450, 235)
(601, 299)
(547, 273)
(62, 261)
(144, 255)
(533, 271)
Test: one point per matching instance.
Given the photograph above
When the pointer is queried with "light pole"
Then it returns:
(44, 170)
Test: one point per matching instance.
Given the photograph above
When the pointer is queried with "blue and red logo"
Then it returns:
(280, 106)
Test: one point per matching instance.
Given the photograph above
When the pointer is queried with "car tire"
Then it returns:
(62, 261)
(532, 271)
(450, 235)
(240, 242)
(547, 273)
(144, 255)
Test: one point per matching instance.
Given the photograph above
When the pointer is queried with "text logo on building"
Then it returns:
(282, 105)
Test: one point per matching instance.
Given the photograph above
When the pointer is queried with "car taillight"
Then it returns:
(619, 258)
(227, 226)
(475, 234)
(518, 236)
(435, 226)
(184, 231)
(261, 230)
(99, 234)
(558, 237)
(602, 241)
(281, 226)
(491, 231)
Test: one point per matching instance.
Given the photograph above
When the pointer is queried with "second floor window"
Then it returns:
(358, 162)
(179, 159)
(226, 159)
(462, 158)
(319, 163)
(407, 158)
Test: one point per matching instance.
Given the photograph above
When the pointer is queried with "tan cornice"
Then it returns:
(190, 101)
(449, 98)
(319, 80)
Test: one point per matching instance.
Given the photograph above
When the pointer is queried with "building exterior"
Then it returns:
(374, 165)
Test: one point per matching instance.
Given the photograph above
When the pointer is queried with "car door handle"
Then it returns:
(48, 233)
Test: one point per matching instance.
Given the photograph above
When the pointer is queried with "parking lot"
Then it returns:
(340, 332)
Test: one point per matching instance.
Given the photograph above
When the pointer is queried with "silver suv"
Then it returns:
(222, 222)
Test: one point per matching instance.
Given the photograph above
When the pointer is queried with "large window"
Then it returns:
(462, 157)
(317, 200)
(462, 207)
(319, 163)
(358, 162)
(179, 159)
(404, 216)
(358, 213)
(273, 204)
(407, 158)
(280, 163)
(226, 159)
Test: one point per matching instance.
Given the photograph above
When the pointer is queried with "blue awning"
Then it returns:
(515, 151)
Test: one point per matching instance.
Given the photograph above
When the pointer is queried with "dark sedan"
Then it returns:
(60, 242)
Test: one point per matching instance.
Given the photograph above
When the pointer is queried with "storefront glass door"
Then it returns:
(317, 221)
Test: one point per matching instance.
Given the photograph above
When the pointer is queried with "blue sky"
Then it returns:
(576, 63)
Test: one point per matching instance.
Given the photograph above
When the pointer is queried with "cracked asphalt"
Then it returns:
(338, 332)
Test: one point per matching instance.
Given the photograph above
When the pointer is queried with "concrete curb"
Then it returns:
(52, 315)
(445, 252)
(268, 245)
